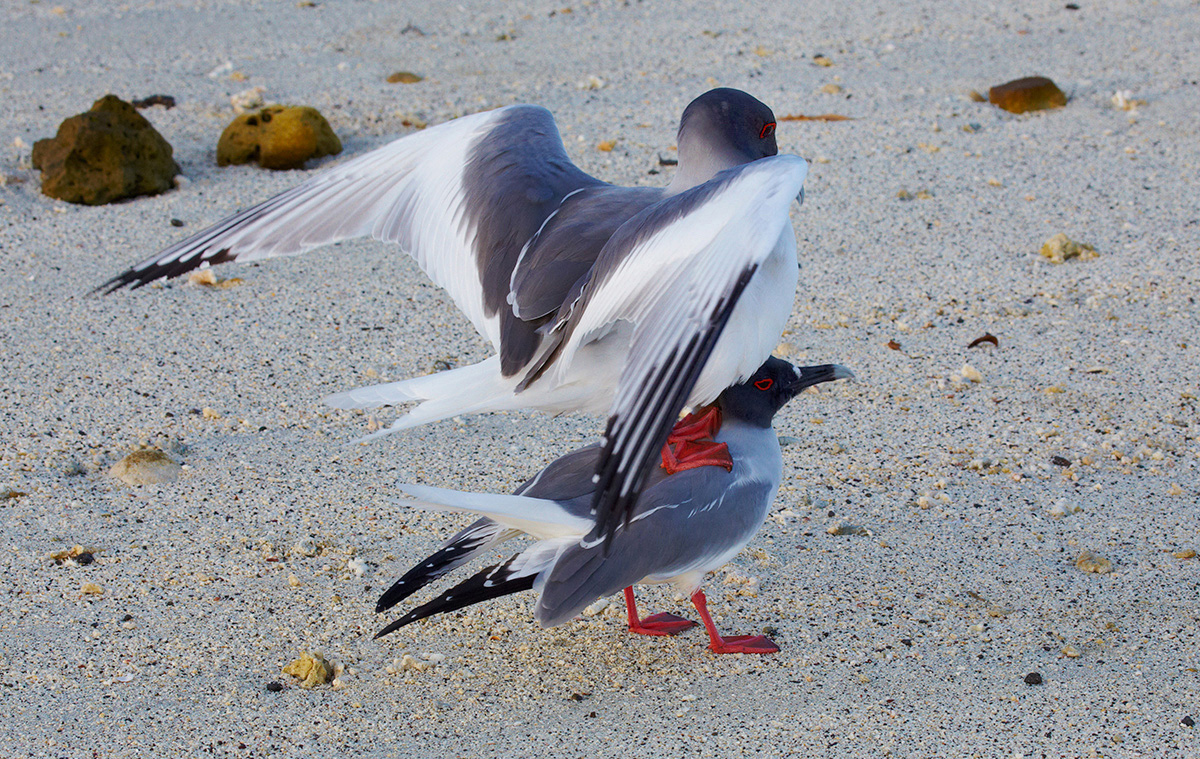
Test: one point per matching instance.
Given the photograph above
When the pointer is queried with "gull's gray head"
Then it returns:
(721, 129)
(776, 382)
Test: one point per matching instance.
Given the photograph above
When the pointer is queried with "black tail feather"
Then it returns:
(493, 582)
(458, 550)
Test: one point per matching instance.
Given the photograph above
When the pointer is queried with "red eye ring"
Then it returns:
(764, 384)
(767, 129)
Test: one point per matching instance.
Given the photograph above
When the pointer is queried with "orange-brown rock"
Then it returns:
(105, 154)
(1033, 93)
(277, 137)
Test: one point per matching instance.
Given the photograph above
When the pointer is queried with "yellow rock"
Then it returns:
(1060, 248)
(277, 137)
(311, 668)
(92, 589)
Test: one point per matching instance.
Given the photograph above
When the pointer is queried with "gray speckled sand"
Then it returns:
(912, 641)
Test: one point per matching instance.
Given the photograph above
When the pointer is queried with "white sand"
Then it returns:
(888, 643)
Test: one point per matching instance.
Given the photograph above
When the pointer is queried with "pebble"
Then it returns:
(840, 528)
(1033, 678)
(1062, 508)
(1090, 562)
(1070, 652)
(1060, 249)
(970, 373)
(247, 99)
(92, 589)
(596, 607)
(274, 686)
(1187, 553)
(277, 137)
(404, 77)
(146, 466)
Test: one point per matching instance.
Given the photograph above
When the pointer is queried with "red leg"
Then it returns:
(734, 644)
(656, 624)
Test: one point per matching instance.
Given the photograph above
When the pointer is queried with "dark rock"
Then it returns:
(1033, 678)
(1033, 93)
(105, 154)
(274, 686)
(1188, 721)
(166, 101)
(277, 137)
(1060, 461)
(177, 222)
(85, 558)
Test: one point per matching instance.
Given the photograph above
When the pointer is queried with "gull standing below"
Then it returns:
(635, 301)
(684, 525)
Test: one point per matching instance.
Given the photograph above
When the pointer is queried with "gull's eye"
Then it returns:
(767, 130)
(764, 384)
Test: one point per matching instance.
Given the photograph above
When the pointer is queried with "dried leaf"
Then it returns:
(986, 337)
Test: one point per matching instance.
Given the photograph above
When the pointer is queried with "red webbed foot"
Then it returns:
(655, 624)
(734, 644)
(744, 644)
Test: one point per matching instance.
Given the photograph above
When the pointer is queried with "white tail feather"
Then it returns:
(538, 517)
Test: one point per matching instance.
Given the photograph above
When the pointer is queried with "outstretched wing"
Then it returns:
(676, 272)
(462, 198)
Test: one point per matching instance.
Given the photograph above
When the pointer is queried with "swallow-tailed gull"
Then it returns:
(684, 525)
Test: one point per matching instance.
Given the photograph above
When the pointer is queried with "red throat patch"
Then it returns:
(691, 445)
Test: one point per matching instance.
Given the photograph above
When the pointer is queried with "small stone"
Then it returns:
(596, 607)
(1187, 721)
(1070, 652)
(1033, 678)
(210, 413)
(166, 101)
(277, 137)
(841, 528)
(1060, 461)
(606, 146)
(274, 686)
(831, 89)
(1034, 93)
(294, 581)
(971, 373)
(822, 60)
(1090, 562)
(409, 662)
(146, 466)
(357, 566)
(103, 155)
(404, 77)
(311, 669)
(85, 558)
(247, 99)
(92, 589)
(1187, 553)
(307, 548)
(177, 222)
(1060, 248)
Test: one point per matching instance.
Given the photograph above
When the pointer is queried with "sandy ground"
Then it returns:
(913, 639)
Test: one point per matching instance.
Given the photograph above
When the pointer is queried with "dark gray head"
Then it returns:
(721, 129)
(776, 382)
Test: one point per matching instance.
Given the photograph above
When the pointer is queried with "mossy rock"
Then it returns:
(103, 155)
(277, 137)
